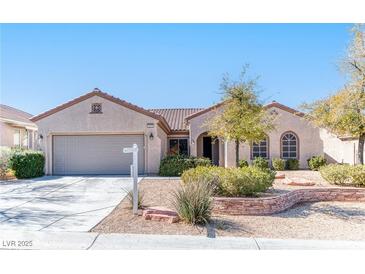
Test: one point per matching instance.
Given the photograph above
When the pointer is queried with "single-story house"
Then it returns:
(86, 136)
(16, 129)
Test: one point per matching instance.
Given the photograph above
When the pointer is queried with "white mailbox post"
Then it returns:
(134, 174)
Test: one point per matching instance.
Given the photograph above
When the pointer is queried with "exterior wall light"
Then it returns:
(151, 136)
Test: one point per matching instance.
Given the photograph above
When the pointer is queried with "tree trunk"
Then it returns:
(360, 149)
(237, 153)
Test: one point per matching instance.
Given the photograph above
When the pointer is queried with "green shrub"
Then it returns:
(209, 175)
(336, 174)
(193, 203)
(232, 182)
(292, 164)
(260, 162)
(247, 181)
(358, 175)
(278, 164)
(5, 154)
(177, 164)
(242, 163)
(316, 162)
(27, 163)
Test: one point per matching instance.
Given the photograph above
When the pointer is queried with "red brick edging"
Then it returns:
(270, 205)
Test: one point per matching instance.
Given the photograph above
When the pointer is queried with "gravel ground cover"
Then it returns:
(321, 220)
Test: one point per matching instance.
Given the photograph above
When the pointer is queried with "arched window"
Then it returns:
(260, 149)
(289, 145)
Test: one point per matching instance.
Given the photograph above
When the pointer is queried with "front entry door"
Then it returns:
(207, 147)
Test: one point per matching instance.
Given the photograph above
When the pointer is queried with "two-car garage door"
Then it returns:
(95, 154)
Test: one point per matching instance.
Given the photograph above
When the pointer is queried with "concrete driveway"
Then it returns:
(54, 203)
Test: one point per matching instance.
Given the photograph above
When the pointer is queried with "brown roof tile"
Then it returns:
(175, 116)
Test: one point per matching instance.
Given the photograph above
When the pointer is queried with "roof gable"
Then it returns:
(267, 106)
(97, 92)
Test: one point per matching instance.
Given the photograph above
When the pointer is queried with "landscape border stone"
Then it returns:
(281, 202)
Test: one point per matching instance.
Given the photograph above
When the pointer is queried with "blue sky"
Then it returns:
(167, 65)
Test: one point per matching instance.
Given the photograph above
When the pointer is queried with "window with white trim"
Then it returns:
(260, 149)
(289, 146)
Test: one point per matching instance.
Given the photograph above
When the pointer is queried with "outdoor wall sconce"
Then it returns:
(192, 142)
(151, 136)
(40, 136)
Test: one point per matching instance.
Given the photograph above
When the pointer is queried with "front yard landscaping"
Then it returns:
(319, 220)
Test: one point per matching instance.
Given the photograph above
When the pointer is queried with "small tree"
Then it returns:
(241, 117)
(344, 112)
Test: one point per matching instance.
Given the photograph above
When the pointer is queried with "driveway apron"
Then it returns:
(51, 203)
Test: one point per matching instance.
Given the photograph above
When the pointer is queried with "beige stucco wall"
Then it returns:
(337, 150)
(6, 135)
(197, 127)
(7, 131)
(310, 142)
(163, 142)
(115, 119)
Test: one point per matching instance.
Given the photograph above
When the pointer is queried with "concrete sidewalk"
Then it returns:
(85, 240)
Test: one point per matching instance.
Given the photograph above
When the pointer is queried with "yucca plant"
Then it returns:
(193, 203)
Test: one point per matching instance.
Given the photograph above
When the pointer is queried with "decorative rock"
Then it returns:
(160, 214)
(280, 176)
(298, 182)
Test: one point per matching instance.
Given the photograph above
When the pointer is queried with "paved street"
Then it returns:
(52, 203)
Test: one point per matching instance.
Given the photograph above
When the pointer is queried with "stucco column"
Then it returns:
(193, 146)
(225, 153)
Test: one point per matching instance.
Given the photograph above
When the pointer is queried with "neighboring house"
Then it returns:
(87, 135)
(16, 130)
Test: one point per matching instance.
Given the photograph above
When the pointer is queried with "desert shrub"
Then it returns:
(260, 162)
(232, 182)
(278, 164)
(246, 181)
(130, 198)
(358, 175)
(27, 163)
(209, 175)
(292, 164)
(5, 154)
(242, 163)
(193, 203)
(315, 162)
(177, 164)
(336, 174)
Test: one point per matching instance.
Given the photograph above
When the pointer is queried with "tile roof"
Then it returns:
(175, 116)
(14, 114)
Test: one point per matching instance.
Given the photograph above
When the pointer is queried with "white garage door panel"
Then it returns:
(95, 154)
